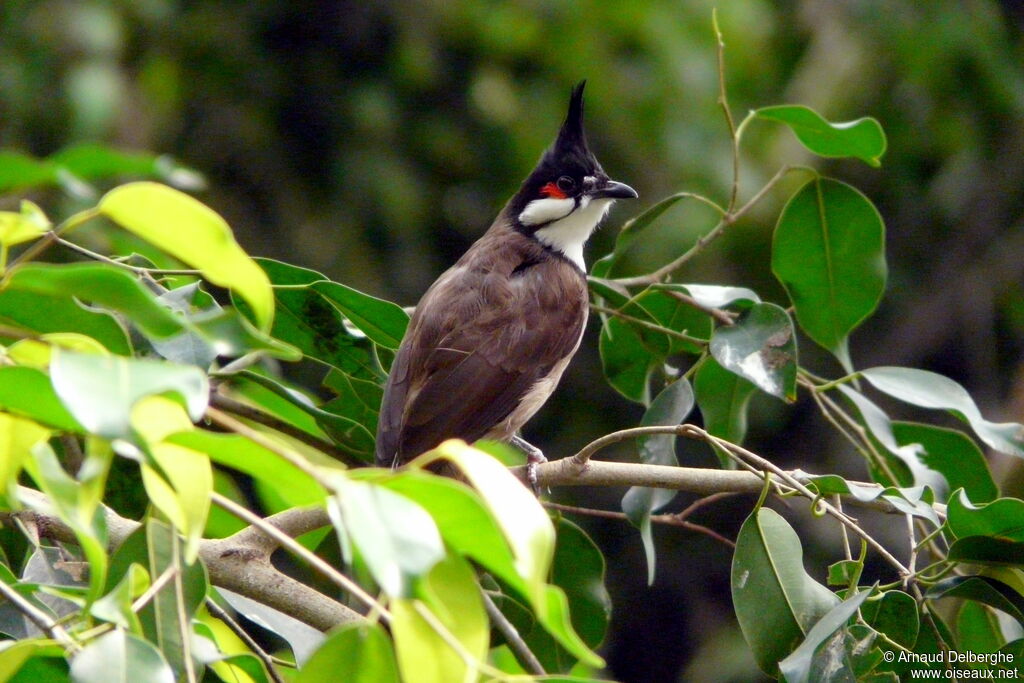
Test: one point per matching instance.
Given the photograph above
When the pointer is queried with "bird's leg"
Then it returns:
(534, 457)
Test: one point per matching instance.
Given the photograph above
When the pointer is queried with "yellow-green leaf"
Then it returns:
(181, 488)
(450, 609)
(193, 233)
(526, 526)
(17, 437)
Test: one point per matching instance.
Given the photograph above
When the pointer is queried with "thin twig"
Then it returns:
(512, 637)
(38, 617)
(912, 563)
(154, 588)
(721, 315)
(648, 325)
(268, 662)
(138, 270)
(248, 412)
(670, 520)
(286, 541)
(723, 102)
(767, 465)
(727, 220)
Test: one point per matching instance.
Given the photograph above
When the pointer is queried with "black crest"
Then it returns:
(568, 155)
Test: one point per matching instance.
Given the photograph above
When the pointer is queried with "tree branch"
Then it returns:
(240, 563)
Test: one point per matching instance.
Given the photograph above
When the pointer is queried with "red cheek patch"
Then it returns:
(552, 190)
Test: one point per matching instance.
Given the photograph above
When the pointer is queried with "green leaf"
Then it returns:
(626, 362)
(352, 436)
(530, 535)
(44, 313)
(193, 233)
(75, 507)
(167, 619)
(28, 392)
(978, 628)
(103, 285)
(21, 171)
(311, 322)
(396, 537)
(981, 589)
(953, 454)
(905, 455)
(863, 138)
(760, 347)
(845, 572)
(231, 450)
(116, 605)
(451, 595)
(669, 408)
(829, 253)
(120, 656)
(896, 615)
(359, 653)
(1002, 518)
(820, 653)
(723, 398)
(463, 519)
(524, 523)
(776, 601)
(100, 391)
(15, 654)
(931, 390)
(96, 162)
(631, 350)
(986, 550)
(579, 568)
(382, 321)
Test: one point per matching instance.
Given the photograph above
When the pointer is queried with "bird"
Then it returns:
(489, 340)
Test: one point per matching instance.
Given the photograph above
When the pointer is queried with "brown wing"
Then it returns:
(477, 343)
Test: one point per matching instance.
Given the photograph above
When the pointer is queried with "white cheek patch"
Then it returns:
(568, 234)
(546, 210)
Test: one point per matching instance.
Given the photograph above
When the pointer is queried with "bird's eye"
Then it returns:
(566, 184)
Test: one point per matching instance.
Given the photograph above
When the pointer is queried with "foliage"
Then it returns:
(129, 358)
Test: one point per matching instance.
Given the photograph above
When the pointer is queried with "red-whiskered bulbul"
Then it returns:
(489, 341)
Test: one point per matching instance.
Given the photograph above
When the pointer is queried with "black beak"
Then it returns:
(612, 189)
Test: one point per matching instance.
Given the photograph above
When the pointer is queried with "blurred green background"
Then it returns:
(374, 141)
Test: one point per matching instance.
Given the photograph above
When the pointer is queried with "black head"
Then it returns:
(567, 170)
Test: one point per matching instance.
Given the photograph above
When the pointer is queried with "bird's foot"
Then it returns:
(534, 457)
